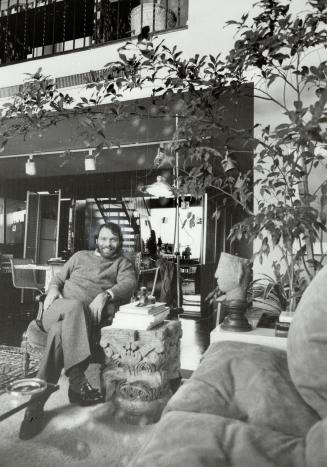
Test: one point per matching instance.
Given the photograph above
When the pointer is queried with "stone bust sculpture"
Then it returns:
(233, 276)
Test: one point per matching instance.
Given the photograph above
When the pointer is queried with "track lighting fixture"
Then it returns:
(30, 167)
(89, 162)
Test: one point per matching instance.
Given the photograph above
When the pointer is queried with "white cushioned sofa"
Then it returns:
(249, 405)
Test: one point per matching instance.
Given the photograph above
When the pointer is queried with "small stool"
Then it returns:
(138, 369)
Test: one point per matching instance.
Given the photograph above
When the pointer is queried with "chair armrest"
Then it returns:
(40, 298)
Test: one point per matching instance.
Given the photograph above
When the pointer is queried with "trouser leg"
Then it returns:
(50, 366)
(68, 341)
(53, 359)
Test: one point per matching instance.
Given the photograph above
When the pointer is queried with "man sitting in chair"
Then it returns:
(88, 282)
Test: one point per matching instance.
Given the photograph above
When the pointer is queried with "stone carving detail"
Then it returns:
(138, 368)
(139, 390)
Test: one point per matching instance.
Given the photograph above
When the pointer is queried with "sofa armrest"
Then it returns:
(260, 336)
(315, 445)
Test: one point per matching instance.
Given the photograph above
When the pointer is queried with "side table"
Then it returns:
(138, 368)
(262, 336)
(11, 404)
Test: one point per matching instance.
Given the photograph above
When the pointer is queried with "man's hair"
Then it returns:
(115, 229)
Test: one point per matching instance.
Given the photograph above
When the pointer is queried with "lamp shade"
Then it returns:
(89, 164)
(160, 188)
(30, 168)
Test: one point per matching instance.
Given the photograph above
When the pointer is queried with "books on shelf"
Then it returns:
(283, 324)
(281, 329)
(139, 321)
(150, 309)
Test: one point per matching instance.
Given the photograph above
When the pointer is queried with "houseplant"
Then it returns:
(286, 51)
(281, 48)
(279, 51)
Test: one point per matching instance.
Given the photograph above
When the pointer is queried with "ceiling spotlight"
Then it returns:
(160, 156)
(89, 162)
(30, 168)
(228, 163)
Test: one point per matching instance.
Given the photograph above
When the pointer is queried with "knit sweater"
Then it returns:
(87, 274)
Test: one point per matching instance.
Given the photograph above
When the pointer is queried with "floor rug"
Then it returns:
(73, 435)
(12, 365)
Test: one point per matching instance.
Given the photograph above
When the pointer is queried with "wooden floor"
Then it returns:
(194, 342)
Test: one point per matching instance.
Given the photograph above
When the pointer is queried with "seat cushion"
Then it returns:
(307, 345)
(36, 337)
(200, 440)
(316, 446)
(247, 382)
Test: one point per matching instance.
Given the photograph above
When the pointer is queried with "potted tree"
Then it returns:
(277, 51)
(282, 51)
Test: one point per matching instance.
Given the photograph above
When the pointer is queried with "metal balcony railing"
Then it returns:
(36, 28)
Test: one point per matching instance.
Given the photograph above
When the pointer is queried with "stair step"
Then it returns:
(113, 210)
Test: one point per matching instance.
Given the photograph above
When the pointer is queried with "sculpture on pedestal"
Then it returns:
(233, 276)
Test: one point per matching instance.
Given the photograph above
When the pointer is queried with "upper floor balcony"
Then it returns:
(37, 28)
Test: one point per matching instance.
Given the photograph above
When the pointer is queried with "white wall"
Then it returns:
(205, 34)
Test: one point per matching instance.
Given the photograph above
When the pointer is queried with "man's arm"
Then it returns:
(125, 282)
(57, 282)
(59, 279)
(52, 295)
(121, 291)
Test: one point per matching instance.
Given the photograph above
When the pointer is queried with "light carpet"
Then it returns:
(73, 435)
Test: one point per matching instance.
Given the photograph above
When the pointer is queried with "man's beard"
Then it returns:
(108, 252)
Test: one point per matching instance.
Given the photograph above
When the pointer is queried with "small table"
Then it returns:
(262, 336)
(12, 370)
(139, 368)
(12, 404)
(50, 270)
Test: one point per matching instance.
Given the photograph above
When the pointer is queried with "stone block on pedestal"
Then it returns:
(139, 366)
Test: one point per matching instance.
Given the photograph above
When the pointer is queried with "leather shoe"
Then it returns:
(87, 395)
(33, 422)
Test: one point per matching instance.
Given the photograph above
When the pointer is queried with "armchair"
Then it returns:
(34, 339)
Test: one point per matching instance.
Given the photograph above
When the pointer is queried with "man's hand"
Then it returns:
(97, 305)
(52, 295)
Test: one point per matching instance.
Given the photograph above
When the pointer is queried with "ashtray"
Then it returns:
(27, 386)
